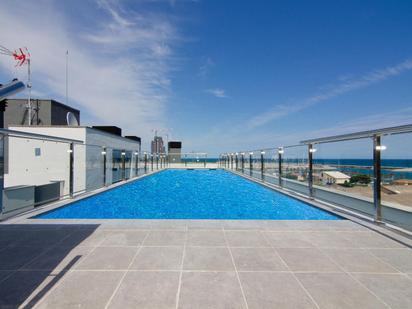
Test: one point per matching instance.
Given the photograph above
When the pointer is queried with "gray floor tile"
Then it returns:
(25, 287)
(124, 238)
(147, 290)
(394, 290)
(258, 259)
(273, 290)
(4, 274)
(288, 239)
(165, 238)
(308, 225)
(246, 239)
(345, 225)
(59, 258)
(243, 224)
(83, 289)
(370, 240)
(205, 224)
(84, 237)
(211, 290)
(206, 238)
(15, 257)
(329, 239)
(276, 225)
(358, 260)
(158, 258)
(180, 225)
(401, 259)
(307, 259)
(338, 290)
(102, 258)
(46, 238)
(208, 258)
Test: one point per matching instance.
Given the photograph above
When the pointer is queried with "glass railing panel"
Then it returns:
(396, 178)
(295, 168)
(271, 166)
(343, 173)
(256, 165)
(93, 156)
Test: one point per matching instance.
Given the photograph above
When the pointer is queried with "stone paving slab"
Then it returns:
(202, 264)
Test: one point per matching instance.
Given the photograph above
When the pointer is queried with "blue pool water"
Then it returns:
(190, 194)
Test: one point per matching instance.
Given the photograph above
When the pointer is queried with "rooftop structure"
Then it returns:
(44, 112)
(174, 149)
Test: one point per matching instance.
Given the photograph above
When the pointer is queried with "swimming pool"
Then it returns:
(190, 194)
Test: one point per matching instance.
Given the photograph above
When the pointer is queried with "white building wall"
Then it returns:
(24, 168)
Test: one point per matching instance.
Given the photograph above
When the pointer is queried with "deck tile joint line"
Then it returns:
(293, 274)
(125, 273)
(181, 270)
(237, 274)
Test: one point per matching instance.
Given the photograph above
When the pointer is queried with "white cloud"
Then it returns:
(118, 66)
(217, 92)
(205, 68)
(348, 84)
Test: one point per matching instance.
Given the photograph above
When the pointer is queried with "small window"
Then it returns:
(37, 152)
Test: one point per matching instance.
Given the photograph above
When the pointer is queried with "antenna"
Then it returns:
(67, 77)
(22, 56)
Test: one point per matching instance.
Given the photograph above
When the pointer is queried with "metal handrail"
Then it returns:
(362, 134)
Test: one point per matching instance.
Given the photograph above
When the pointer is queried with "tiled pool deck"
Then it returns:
(201, 264)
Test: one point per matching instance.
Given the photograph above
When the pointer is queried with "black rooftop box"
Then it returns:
(175, 145)
(134, 138)
(109, 129)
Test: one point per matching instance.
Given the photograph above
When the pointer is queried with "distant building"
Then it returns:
(157, 145)
(44, 112)
(334, 177)
(175, 151)
(403, 182)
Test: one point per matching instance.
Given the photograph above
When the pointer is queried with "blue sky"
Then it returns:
(221, 75)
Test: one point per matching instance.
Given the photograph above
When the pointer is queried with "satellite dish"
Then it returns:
(71, 119)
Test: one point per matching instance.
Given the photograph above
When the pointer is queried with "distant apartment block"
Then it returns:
(175, 151)
(157, 145)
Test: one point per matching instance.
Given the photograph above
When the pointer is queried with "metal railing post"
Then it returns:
(71, 170)
(236, 161)
(151, 159)
(123, 165)
(262, 165)
(145, 163)
(250, 164)
(377, 177)
(104, 166)
(280, 152)
(157, 161)
(243, 162)
(137, 164)
(311, 150)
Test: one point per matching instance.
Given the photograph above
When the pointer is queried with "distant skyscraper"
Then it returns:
(157, 145)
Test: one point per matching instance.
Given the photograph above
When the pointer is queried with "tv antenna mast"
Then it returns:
(22, 56)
